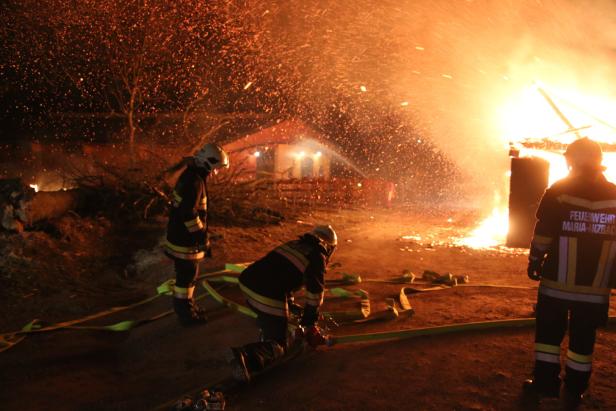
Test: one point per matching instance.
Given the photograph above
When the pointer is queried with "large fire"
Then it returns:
(558, 166)
(529, 116)
(548, 118)
(491, 232)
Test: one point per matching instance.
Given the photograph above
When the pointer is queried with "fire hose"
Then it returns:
(229, 275)
(10, 339)
(359, 338)
(395, 307)
(399, 334)
(389, 335)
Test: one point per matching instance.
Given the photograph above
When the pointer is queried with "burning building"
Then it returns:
(536, 163)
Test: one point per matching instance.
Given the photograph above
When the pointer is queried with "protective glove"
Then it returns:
(535, 266)
(312, 335)
(314, 338)
(300, 334)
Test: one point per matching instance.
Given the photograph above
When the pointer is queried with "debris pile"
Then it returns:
(14, 196)
(205, 401)
(21, 206)
(445, 279)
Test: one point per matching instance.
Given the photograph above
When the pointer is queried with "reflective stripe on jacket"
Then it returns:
(289, 267)
(187, 226)
(576, 233)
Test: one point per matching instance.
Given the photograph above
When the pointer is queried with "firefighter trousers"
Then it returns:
(554, 316)
(273, 344)
(186, 272)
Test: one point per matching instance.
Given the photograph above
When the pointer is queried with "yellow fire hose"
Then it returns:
(229, 275)
(10, 339)
(398, 334)
(370, 337)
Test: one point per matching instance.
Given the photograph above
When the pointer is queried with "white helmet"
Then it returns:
(326, 236)
(211, 156)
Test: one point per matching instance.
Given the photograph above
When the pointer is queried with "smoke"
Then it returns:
(395, 82)
(449, 70)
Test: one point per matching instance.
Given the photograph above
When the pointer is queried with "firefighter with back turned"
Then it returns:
(572, 256)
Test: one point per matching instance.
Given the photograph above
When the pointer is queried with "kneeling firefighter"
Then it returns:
(187, 230)
(572, 255)
(267, 285)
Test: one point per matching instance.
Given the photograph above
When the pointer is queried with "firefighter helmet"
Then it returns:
(584, 154)
(327, 237)
(212, 156)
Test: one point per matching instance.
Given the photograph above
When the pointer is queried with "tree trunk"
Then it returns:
(131, 123)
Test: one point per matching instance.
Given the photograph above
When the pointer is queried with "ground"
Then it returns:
(160, 361)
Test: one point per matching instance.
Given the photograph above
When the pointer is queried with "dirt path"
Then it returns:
(158, 362)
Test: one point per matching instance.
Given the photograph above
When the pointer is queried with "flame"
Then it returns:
(558, 165)
(530, 115)
(491, 232)
(35, 187)
(527, 114)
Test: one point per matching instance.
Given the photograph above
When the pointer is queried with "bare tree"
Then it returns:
(116, 58)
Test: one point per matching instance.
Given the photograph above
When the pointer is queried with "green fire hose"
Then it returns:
(229, 274)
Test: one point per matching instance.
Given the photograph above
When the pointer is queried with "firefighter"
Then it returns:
(572, 255)
(268, 285)
(187, 230)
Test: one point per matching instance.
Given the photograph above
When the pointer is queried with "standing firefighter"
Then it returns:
(268, 285)
(572, 254)
(187, 235)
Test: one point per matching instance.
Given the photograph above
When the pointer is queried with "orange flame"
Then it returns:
(491, 232)
(558, 165)
(529, 116)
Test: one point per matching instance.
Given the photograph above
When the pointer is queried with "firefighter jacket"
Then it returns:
(268, 281)
(576, 234)
(187, 226)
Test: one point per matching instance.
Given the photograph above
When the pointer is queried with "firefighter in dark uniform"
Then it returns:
(268, 285)
(187, 230)
(572, 255)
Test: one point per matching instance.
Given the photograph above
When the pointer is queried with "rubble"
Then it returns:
(14, 196)
(445, 279)
(22, 207)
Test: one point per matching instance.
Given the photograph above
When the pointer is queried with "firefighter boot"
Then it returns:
(239, 368)
(532, 389)
(572, 400)
(188, 312)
